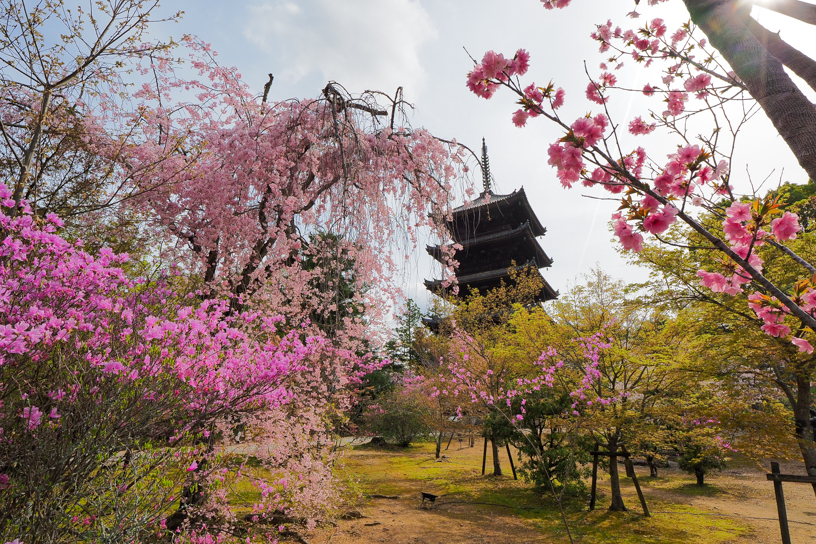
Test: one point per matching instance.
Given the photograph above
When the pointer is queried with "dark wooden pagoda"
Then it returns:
(497, 233)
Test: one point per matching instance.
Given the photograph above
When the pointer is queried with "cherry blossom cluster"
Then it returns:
(656, 194)
(294, 167)
(494, 69)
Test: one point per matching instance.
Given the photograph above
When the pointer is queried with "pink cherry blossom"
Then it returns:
(676, 102)
(630, 240)
(786, 227)
(803, 345)
(678, 36)
(552, 4)
(739, 211)
(697, 83)
(593, 93)
(589, 130)
(713, 280)
(520, 118)
(533, 93)
(776, 329)
(493, 65)
(520, 63)
(639, 127)
(558, 101)
(658, 27)
(658, 223)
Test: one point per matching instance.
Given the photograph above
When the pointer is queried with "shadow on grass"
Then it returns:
(695, 490)
(384, 446)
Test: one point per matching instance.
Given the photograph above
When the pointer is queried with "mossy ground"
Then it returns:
(462, 488)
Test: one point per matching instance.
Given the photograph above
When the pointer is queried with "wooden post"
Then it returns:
(484, 457)
(449, 441)
(630, 471)
(512, 466)
(780, 506)
(594, 480)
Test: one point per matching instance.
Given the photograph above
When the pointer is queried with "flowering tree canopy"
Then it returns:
(743, 61)
(261, 222)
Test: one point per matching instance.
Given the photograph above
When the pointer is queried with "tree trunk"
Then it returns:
(614, 479)
(804, 427)
(700, 476)
(438, 443)
(650, 460)
(497, 471)
(792, 114)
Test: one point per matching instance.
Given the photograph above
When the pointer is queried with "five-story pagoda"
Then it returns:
(498, 234)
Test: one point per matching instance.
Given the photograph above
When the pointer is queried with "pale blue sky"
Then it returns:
(380, 44)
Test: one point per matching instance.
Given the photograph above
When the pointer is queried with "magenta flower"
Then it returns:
(33, 415)
(113, 367)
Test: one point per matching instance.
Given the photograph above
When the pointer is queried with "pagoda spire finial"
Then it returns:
(485, 168)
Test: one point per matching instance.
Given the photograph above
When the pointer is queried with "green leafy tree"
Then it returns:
(480, 324)
(398, 417)
(767, 377)
(549, 447)
(404, 349)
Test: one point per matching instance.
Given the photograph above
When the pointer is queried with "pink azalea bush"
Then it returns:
(115, 392)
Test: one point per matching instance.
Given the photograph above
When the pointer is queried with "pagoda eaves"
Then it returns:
(495, 233)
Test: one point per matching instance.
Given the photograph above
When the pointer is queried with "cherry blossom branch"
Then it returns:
(796, 258)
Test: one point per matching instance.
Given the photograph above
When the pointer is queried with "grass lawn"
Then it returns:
(464, 493)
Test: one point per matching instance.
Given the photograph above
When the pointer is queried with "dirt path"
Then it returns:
(737, 506)
(746, 494)
(402, 521)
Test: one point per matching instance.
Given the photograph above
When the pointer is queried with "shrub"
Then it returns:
(112, 390)
(398, 418)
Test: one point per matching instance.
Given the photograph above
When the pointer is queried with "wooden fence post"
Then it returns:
(512, 466)
(780, 505)
(484, 457)
(630, 471)
(594, 480)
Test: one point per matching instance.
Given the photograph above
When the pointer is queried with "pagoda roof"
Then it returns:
(522, 233)
(492, 278)
(488, 201)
